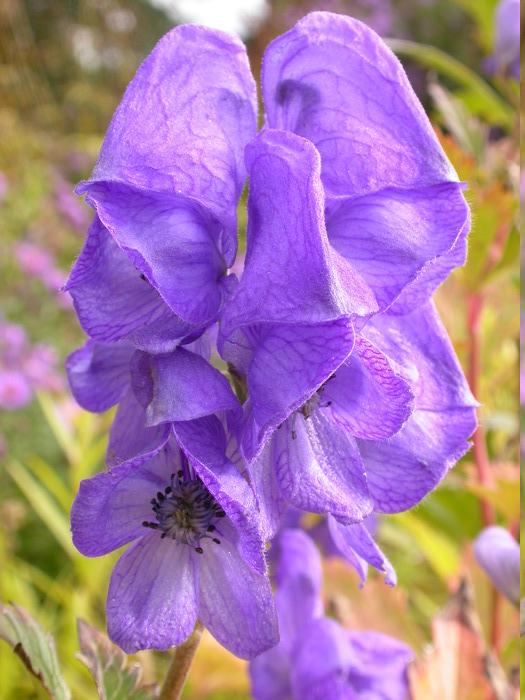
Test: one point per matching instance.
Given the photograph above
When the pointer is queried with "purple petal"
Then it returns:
(172, 242)
(129, 438)
(498, 554)
(184, 122)
(418, 346)
(391, 236)
(270, 500)
(270, 675)
(367, 398)
(321, 661)
(236, 603)
(320, 471)
(403, 470)
(110, 508)
(299, 579)
(204, 443)
(179, 386)
(352, 540)
(99, 375)
(152, 598)
(291, 274)
(379, 669)
(111, 299)
(433, 274)
(332, 80)
(289, 364)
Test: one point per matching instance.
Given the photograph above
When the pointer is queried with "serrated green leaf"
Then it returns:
(36, 649)
(115, 678)
(492, 107)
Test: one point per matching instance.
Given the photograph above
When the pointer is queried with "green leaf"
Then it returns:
(35, 648)
(44, 505)
(492, 107)
(114, 677)
(466, 129)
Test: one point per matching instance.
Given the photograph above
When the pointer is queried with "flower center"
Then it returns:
(186, 512)
(314, 402)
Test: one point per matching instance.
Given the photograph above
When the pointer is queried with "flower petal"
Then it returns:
(236, 603)
(367, 398)
(354, 540)
(320, 471)
(110, 507)
(153, 595)
(204, 443)
(270, 675)
(403, 470)
(98, 374)
(299, 579)
(111, 299)
(391, 236)
(291, 274)
(172, 242)
(498, 554)
(270, 500)
(321, 661)
(332, 80)
(380, 665)
(179, 386)
(129, 438)
(288, 365)
(184, 122)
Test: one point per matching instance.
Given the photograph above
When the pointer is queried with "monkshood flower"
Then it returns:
(316, 658)
(498, 554)
(196, 551)
(165, 190)
(394, 207)
(341, 418)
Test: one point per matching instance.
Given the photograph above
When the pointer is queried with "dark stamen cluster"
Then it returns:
(186, 512)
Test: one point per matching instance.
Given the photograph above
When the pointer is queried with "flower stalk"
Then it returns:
(180, 665)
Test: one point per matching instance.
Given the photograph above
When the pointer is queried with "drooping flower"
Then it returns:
(165, 190)
(339, 418)
(196, 552)
(498, 554)
(394, 206)
(316, 658)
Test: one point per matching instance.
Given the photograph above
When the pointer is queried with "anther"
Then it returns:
(199, 550)
(216, 540)
(211, 528)
(160, 496)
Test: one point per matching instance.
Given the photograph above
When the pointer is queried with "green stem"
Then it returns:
(180, 665)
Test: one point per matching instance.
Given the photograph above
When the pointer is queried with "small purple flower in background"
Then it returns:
(35, 261)
(16, 391)
(507, 24)
(316, 658)
(24, 368)
(498, 554)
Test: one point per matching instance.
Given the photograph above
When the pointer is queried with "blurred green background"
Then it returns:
(64, 66)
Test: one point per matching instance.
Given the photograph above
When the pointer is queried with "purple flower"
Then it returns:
(15, 390)
(498, 554)
(506, 57)
(165, 190)
(340, 418)
(196, 551)
(316, 658)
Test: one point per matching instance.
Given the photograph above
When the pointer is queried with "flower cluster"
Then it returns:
(349, 399)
